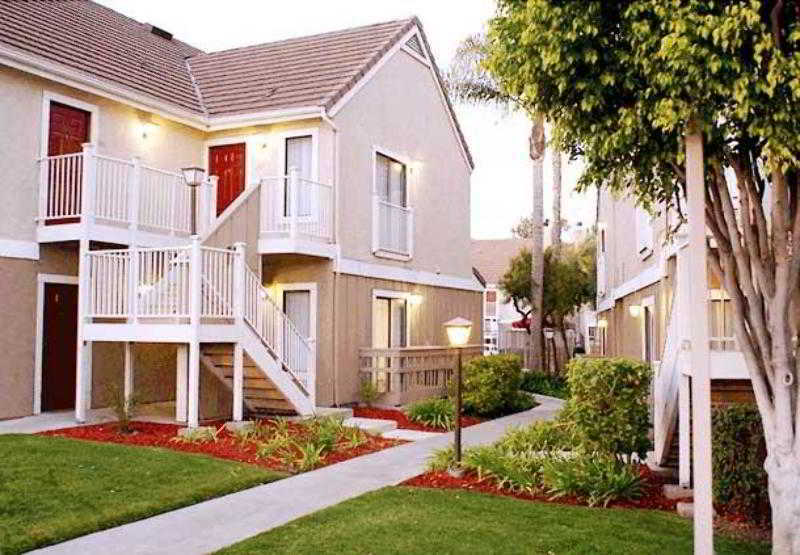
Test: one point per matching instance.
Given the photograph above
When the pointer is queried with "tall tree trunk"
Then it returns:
(537, 146)
(784, 498)
(555, 237)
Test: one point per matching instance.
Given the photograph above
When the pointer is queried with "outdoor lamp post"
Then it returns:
(194, 177)
(458, 331)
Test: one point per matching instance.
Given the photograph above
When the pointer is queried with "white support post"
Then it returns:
(294, 185)
(133, 283)
(701, 383)
(83, 362)
(88, 184)
(134, 192)
(195, 270)
(240, 267)
(238, 382)
(128, 372)
(181, 382)
(684, 432)
(211, 201)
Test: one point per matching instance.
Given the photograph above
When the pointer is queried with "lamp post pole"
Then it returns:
(194, 210)
(457, 439)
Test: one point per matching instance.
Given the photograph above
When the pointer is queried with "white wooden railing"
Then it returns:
(295, 207)
(158, 283)
(392, 228)
(121, 192)
(278, 332)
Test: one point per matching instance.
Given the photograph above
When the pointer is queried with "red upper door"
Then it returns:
(69, 129)
(228, 163)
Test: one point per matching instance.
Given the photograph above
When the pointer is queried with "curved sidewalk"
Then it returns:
(217, 523)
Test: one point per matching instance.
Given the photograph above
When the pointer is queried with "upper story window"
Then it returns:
(393, 219)
(644, 232)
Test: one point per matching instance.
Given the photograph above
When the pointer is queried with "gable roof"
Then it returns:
(491, 256)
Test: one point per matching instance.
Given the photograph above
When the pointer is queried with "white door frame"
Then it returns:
(391, 294)
(311, 287)
(649, 303)
(43, 279)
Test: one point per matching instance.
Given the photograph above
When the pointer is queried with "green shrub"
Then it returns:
(438, 413)
(594, 478)
(544, 435)
(124, 409)
(608, 405)
(368, 391)
(738, 453)
(492, 386)
(324, 432)
(536, 381)
(512, 470)
(441, 459)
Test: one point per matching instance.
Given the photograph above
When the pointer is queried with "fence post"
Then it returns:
(209, 203)
(88, 183)
(294, 184)
(133, 283)
(44, 189)
(133, 196)
(196, 296)
(239, 269)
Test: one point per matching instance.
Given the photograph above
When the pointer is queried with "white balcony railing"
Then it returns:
(295, 207)
(86, 186)
(392, 228)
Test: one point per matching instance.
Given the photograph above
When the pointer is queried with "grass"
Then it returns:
(408, 520)
(53, 489)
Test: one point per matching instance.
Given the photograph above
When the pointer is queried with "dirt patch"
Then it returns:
(403, 422)
(226, 445)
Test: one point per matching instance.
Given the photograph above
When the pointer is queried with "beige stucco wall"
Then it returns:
(354, 321)
(400, 110)
(168, 146)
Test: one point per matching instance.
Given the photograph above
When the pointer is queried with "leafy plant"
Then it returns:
(441, 459)
(124, 409)
(303, 457)
(491, 386)
(437, 413)
(273, 446)
(608, 406)
(536, 381)
(738, 454)
(368, 391)
(324, 432)
(595, 478)
(202, 434)
(542, 436)
(256, 430)
(513, 470)
(354, 437)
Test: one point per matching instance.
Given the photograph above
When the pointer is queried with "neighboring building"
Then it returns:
(491, 257)
(323, 254)
(643, 312)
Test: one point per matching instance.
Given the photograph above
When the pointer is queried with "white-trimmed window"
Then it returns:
(720, 321)
(644, 232)
(393, 219)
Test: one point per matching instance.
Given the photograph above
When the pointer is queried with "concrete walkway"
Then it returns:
(214, 524)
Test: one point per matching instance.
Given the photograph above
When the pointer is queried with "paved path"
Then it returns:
(220, 522)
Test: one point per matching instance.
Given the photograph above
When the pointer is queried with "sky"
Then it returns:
(501, 182)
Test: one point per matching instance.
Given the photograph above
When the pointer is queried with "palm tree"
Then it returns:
(468, 81)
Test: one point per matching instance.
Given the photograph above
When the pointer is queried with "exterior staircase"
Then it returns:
(261, 397)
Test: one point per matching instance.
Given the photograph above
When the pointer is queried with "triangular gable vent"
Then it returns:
(414, 44)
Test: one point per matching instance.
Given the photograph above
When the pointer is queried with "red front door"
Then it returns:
(59, 346)
(68, 129)
(227, 162)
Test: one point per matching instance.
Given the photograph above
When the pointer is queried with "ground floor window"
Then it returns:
(389, 322)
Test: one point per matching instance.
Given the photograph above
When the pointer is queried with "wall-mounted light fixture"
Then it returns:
(147, 126)
(602, 323)
(414, 299)
(635, 310)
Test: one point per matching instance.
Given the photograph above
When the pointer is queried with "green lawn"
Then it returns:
(408, 520)
(53, 489)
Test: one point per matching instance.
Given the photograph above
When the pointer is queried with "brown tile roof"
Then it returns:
(102, 43)
(316, 70)
(491, 256)
(309, 71)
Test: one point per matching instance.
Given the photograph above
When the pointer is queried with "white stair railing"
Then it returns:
(295, 207)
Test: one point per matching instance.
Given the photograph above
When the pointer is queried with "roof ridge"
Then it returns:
(197, 90)
(306, 37)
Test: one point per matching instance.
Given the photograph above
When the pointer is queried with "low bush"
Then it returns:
(512, 470)
(124, 408)
(368, 391)
(594, 478)
(438, 413)
(441, 459)
(738, 453)
(542, 436)
(536, 381)
(492, 386)
(608, 405)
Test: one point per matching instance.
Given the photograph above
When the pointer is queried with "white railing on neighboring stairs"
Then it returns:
(295, 207)
(121, 192)
(392, 228)
(154, 284)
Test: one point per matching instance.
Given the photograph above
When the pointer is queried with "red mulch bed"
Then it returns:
(402, 419)
(652, 499)
(225, 447)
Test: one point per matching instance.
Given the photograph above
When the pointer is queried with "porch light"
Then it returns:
(415, 300)
(635, 310)
(194, 177)
(458, 331)
(602, 323)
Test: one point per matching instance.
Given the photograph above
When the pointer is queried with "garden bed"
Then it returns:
(652, 495)
(404, 423)
(230, 446)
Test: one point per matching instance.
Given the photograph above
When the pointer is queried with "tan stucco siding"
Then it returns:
(624, 332)
(354, 321)
(241, 226)
(400, 110)
(168, 146)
